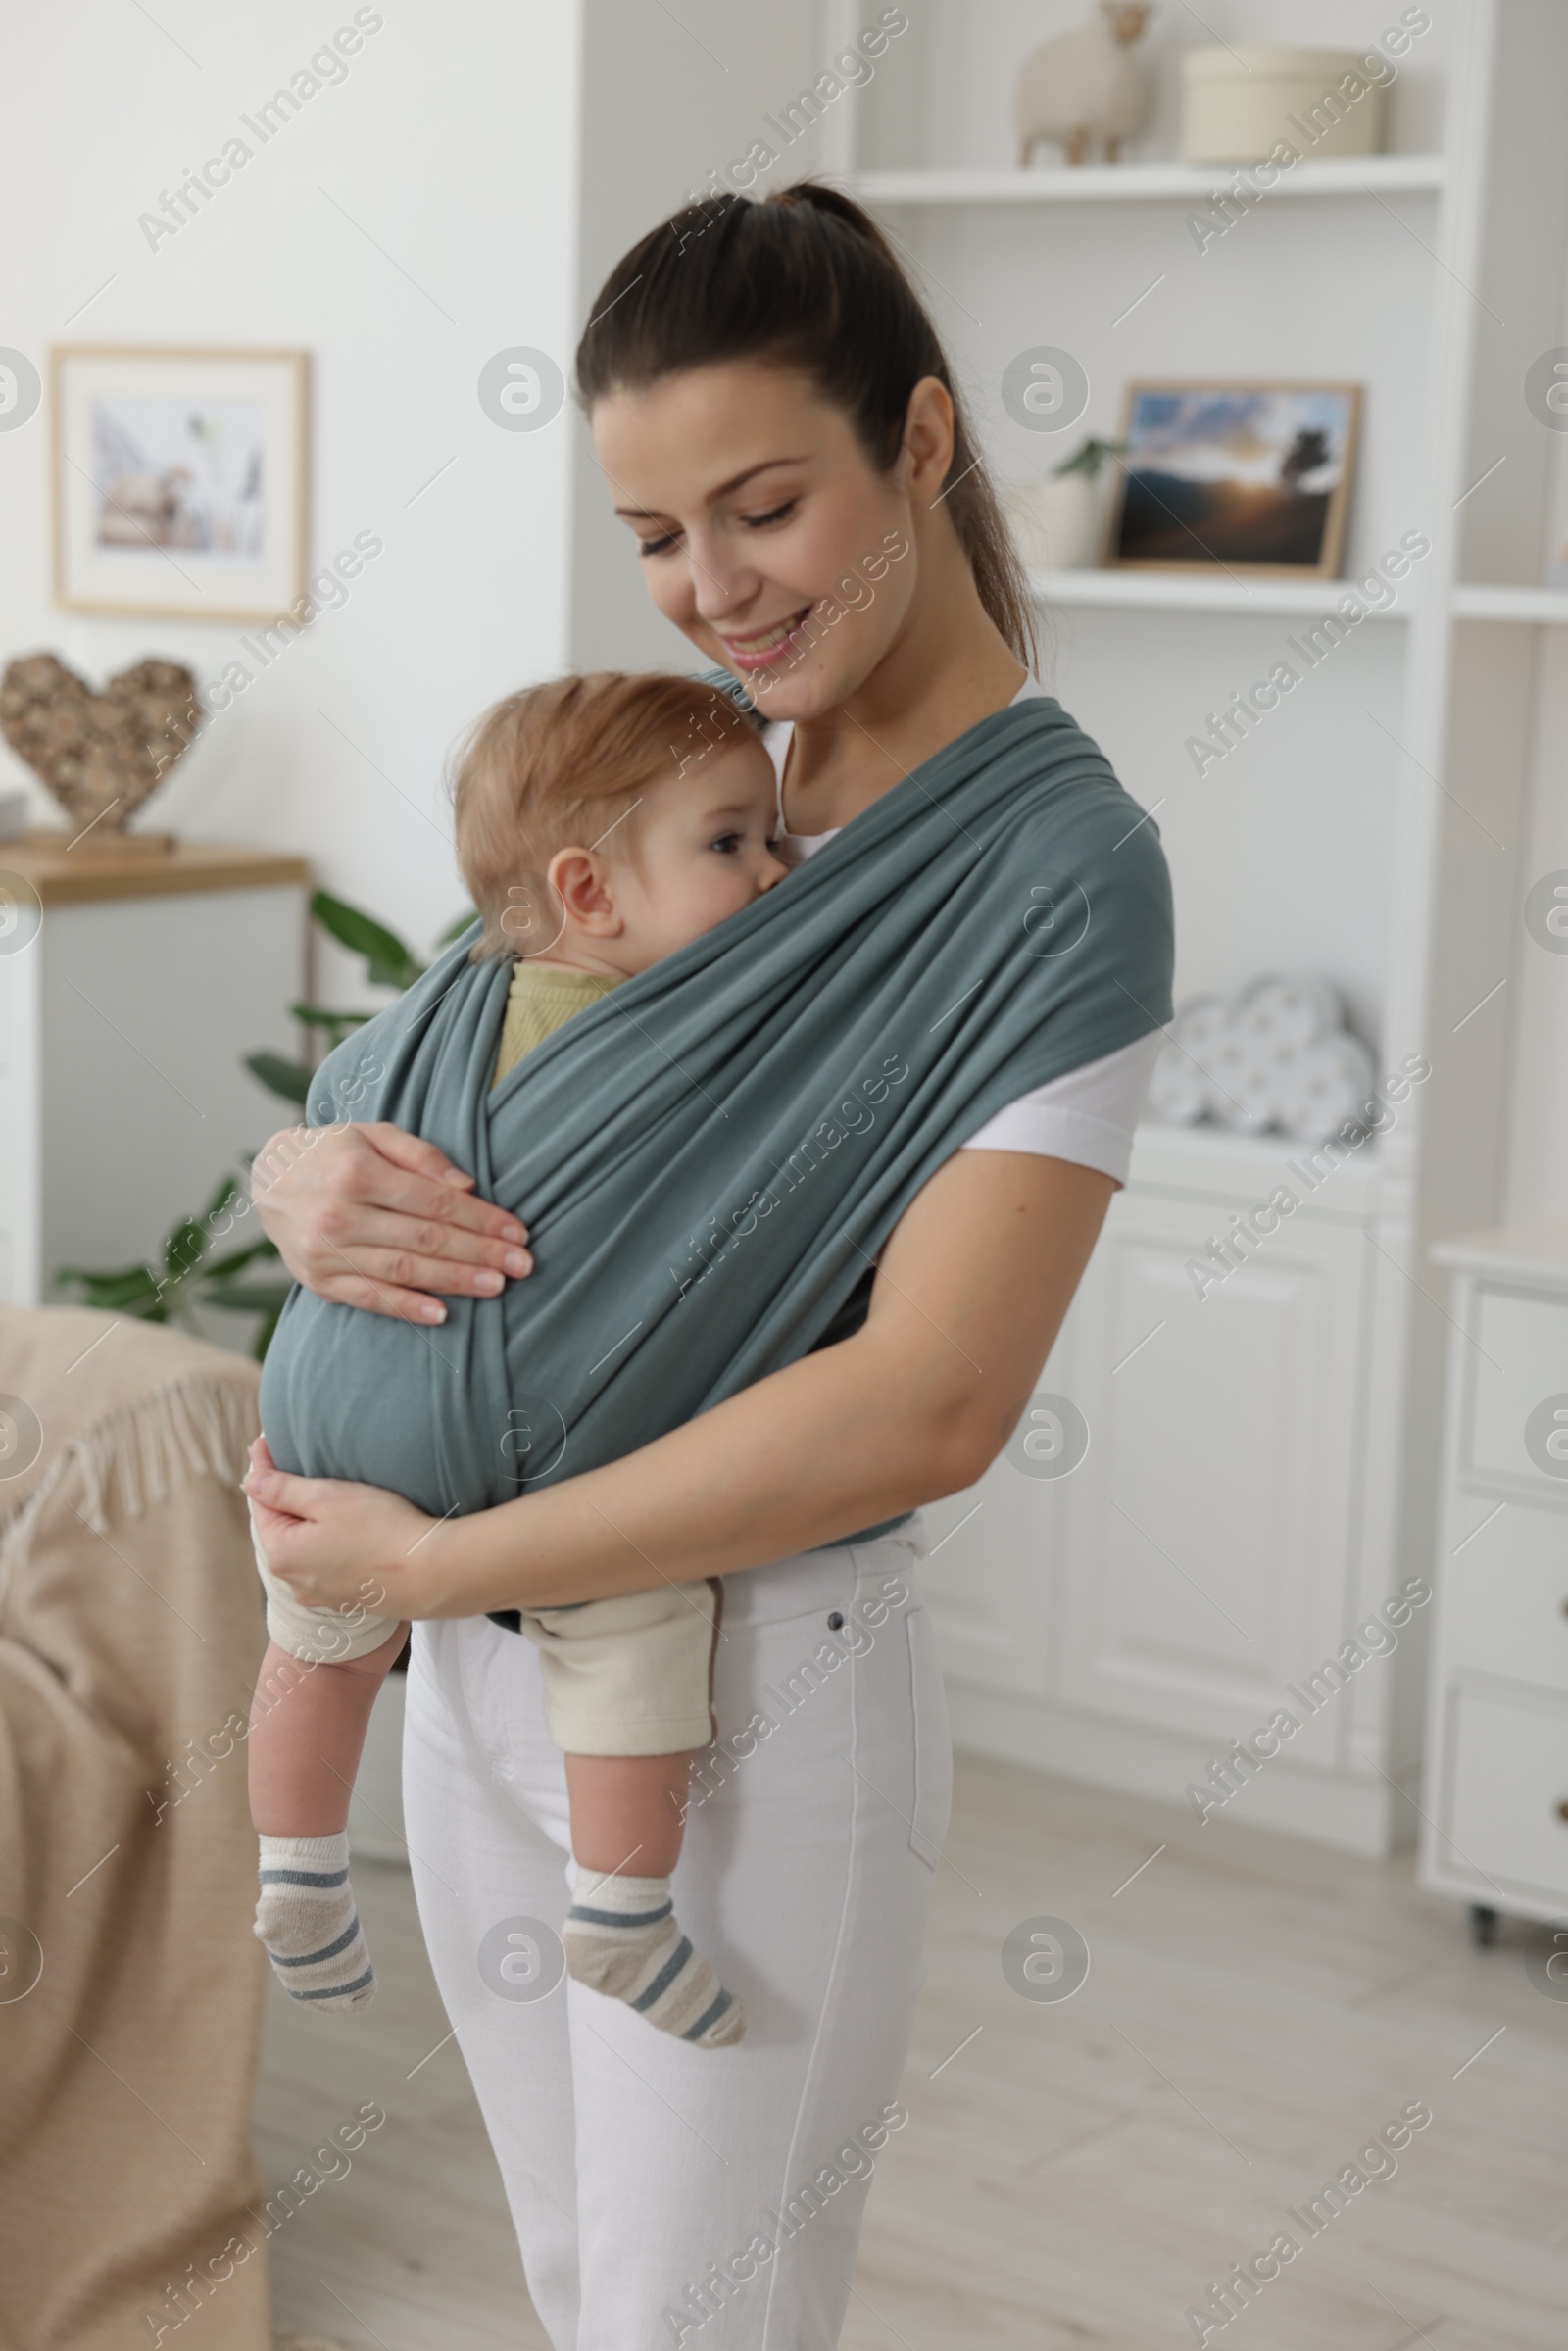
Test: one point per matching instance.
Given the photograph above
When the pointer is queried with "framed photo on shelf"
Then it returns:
(1238, 477)
(182, 481)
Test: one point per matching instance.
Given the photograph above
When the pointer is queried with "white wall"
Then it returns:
(673, 103)
(453, 146)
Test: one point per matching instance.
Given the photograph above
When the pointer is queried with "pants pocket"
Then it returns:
(932, 1741)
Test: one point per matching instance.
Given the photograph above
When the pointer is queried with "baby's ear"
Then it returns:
(580, 879)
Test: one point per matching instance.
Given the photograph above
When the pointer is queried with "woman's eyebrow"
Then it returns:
(726, 489)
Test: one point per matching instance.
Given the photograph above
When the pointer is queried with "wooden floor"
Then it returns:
(1078, 2172)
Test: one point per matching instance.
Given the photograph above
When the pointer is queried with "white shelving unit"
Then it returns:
(1134, 183)
(1545, 608)
(1260, 1467)
(1134, 589)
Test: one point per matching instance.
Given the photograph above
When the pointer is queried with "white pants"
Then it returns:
(664, 2194)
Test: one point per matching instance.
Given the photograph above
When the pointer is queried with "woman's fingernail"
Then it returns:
(432, 1310)
(488, 1282)
(516, 1261)
(514, 1231)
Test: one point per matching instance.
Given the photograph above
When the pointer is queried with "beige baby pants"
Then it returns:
(629, 1675)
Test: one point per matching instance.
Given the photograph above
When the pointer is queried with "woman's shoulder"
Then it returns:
(1071, 815)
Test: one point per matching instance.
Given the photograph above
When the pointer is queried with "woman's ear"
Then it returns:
(928, 435)
(580, 880)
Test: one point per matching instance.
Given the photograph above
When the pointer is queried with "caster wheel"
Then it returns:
(1482, 1926)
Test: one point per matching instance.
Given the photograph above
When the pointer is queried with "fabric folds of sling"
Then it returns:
(710, 1158)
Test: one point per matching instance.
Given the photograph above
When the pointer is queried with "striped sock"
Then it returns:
(308, 1920)
(622, 1937)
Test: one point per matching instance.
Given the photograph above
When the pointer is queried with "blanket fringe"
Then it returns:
(198, 1427)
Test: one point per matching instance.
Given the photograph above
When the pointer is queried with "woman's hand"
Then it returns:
(371, 1216)
(335, 1544)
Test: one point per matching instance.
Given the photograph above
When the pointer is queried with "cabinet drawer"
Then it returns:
(1506, 1772)
(1506, 1592)
(1521, 1361)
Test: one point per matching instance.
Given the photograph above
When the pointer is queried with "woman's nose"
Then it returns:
(722, 588)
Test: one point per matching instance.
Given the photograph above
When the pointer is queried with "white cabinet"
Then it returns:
(1496, 1828)
(1215, 1498)
(1156, 1597)
(132, 985)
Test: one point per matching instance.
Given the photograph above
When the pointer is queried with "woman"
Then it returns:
(776, 422)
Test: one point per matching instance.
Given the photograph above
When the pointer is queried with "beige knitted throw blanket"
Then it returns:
(130, 1986)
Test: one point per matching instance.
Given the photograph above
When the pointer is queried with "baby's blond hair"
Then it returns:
(554, 767)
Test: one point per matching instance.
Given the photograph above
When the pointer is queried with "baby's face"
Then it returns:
(702, 854)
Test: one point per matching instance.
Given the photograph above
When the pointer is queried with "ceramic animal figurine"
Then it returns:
(101, 755)
(1084, 86)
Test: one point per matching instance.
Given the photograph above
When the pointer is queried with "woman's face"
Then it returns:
(766, 534)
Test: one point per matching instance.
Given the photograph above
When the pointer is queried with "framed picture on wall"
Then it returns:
(182, 481)
(1240, 478)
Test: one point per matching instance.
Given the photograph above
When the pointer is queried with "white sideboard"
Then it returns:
(1123, 1616)
(133, 983)
(1496, 1831)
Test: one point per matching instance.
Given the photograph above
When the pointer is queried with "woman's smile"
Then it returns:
(759, 649)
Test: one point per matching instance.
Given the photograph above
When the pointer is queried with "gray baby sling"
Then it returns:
(710, 1159)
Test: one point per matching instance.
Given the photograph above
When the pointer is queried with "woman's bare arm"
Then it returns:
(968, 1299)
(374, 1217)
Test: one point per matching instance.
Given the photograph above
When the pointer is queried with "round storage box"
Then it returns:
(1239, 104)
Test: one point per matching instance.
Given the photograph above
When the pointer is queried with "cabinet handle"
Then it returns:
(1563, 1809)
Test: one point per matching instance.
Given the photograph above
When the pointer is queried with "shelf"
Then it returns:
(64, 874)
(1148, 184)
(1196, 592)
(1481, 601)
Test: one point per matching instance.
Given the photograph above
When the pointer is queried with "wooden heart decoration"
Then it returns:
(101, 755)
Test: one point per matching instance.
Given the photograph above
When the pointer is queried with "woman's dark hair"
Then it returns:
(804, 278)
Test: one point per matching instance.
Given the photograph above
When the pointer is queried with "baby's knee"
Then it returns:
(376, 1662)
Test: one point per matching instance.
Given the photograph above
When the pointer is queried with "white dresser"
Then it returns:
(1495, 1828)
(1120, 1606)
(133, 983)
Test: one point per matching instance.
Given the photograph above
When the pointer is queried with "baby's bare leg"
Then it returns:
(621, 1934)
(628, 1812)
(308, 1725)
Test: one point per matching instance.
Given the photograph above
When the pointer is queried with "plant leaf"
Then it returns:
(318, 1017)
(136, 1290)
(389, 961)
(221, 1269)
(455, 930)
(228, 1190)
(247, 1297)
(290, 1079)
(184, 1247)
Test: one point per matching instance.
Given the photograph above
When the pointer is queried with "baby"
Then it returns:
(602, 822)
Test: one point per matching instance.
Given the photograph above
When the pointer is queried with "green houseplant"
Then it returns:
(1056, 519)
(192, 1270)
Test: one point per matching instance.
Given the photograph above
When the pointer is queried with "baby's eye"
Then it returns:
(726, 844)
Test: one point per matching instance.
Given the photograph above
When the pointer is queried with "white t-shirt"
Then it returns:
(1090, 1115)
